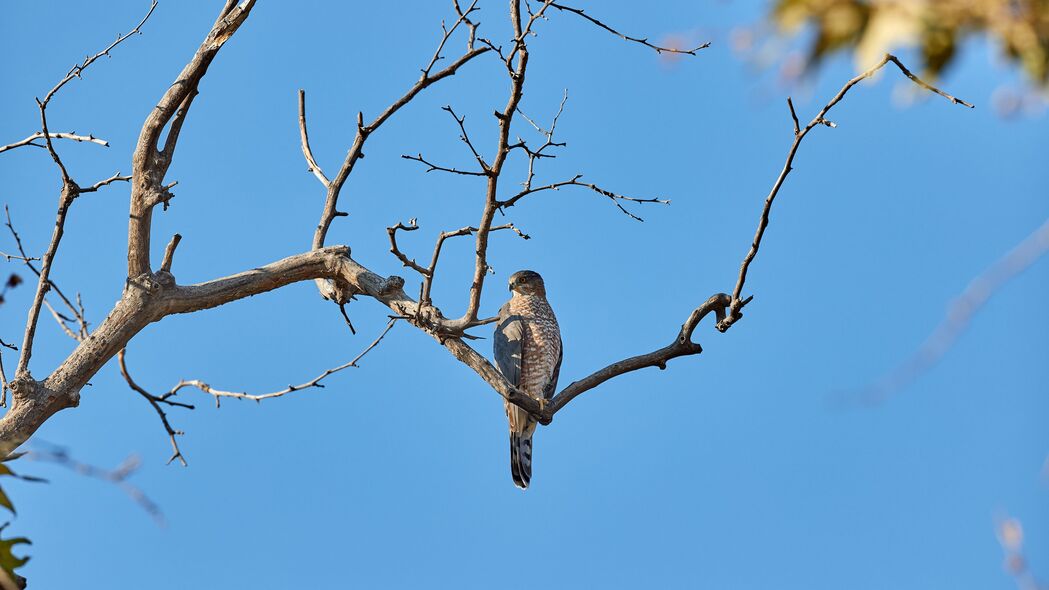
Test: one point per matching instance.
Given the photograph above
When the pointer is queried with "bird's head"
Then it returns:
(527, 282)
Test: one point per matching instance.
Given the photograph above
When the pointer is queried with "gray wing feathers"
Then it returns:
(509, 341)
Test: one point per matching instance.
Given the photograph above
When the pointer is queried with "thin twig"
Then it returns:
(429, 272)
(396, 251)
(575, 181)
(437, 167)
(70, 191)
(155, 401)
(31, 140)
(517, 66)
(78, 69)
(307, 152)
(356, 152)
(115, 178)
(448, 33)
(315, 382)
(78, 314)
(4, 386)
(538, 154)
(657, 48)
(61, 321)
(42, 288)
(465, 137)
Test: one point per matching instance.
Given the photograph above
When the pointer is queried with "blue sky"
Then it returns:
(733, 469)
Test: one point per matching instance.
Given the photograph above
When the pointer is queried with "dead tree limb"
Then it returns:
(150, 295)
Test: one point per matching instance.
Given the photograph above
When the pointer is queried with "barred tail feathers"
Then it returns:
(521, 458)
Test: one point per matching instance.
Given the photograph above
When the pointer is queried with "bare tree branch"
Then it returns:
(465, 137)
(726, 308)
(31, 140)
(432, 167)
(169, 253)
(517, 65)
(538, 154)
(43, 282)
(149, 296)
(150, 164)
(307, 152)
(70, 191)
(76, 310)
(108, 181)
(681, 346)
(4, 384)
(658, 49)
(615, 198)
(405, 261)
(819, 119)
(78, 69)
(463, 231)
(218, 394)
(156, 401)
(428, 77)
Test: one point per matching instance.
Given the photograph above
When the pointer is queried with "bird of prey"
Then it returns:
(528, 353)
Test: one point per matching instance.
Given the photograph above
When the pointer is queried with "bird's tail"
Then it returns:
(521, 457)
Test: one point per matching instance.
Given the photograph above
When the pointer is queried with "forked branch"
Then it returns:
(799, 135)
(727, 308)
(157, 401)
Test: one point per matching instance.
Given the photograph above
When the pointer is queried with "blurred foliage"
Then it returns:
(12, 282)
(938, 28)
(9, 562)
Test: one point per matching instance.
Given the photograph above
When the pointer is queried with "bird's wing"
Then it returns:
(509, 346)
(551, 387)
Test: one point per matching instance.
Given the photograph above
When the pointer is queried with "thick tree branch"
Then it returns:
(150, 164)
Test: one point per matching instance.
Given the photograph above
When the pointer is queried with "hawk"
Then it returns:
(528, 353)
